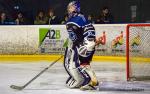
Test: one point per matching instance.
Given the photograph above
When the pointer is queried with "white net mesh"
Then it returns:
(139, 52)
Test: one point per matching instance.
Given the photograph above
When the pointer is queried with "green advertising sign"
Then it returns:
(49, 34)
(51, 42)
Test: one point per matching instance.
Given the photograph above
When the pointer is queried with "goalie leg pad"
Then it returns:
(89, 76)
(85, 76)
(71, 59)
(67, 60)
(76, 79)
(72, 83)
(71, 63)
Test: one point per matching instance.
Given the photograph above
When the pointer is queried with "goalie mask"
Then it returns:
(73, 7)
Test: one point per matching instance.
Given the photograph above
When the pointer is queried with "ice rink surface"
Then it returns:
(53, 80)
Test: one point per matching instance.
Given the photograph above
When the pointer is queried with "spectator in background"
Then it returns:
(105, 17)
(40, 19)
(3, 19)
(133, 20)
(20, 20)
(65, 19)
(90, 19)
(52, 18)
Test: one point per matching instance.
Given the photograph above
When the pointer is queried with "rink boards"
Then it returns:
(48, 42)
(50, 58)
(54, 57)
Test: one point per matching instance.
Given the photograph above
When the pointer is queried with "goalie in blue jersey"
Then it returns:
(80, 50)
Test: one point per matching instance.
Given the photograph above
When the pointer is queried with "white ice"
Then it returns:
(53, 80)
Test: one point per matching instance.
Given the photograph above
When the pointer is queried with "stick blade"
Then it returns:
(16, 87)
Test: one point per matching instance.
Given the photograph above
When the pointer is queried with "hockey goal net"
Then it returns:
(138, 52)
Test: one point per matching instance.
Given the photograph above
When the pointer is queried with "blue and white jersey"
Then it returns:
(79, 28)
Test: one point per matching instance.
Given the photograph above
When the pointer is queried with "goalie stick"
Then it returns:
(22, 87)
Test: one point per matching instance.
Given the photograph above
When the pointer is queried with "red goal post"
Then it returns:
(138, 51)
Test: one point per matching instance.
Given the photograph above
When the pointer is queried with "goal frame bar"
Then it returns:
(128, 69)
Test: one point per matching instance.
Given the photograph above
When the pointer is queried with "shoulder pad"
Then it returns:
(79, 21)
(72, 26)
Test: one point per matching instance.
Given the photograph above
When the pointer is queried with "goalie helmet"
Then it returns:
(73, 6)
